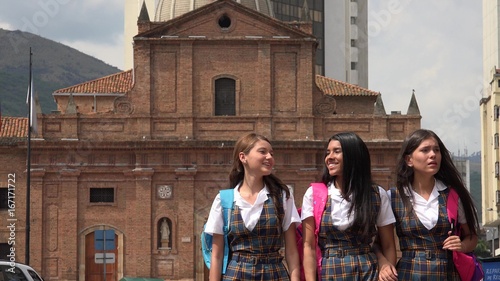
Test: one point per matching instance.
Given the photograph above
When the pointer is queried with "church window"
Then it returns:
(224, 22)
(4, 198)
(225, 97)
(4, 251)
(102, 195)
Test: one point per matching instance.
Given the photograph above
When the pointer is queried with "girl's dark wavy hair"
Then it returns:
(447, 173)
(237, 173)
(357, 179)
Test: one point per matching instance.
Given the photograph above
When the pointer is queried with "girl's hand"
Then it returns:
(387, 273)
(453, 243)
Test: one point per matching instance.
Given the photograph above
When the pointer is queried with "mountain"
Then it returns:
(54, 66)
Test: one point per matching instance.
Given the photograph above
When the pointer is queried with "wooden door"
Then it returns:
(95, 271)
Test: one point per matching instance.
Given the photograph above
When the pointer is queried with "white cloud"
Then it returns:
(6, 26)
(436, 50)
(112, 54)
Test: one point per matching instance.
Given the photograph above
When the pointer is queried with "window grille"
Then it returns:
(102, 195)
(225, 97)
(4, 198)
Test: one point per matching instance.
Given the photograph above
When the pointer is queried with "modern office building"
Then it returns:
(490, 120)
(341, 28)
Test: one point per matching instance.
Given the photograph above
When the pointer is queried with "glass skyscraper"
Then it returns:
(340, 27)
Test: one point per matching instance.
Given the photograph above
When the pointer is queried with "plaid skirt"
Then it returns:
(344, 266)
(251, 267)
(425, 266)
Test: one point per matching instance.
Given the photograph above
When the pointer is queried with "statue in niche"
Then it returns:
(165, 233)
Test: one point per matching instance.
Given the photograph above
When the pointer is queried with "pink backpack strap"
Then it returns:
(452, 209)
(452, 205)
(320, 194)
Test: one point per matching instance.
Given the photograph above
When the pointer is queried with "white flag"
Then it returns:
(32, 109)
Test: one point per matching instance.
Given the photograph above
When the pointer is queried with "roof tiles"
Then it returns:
(14, 127)
(115, 83)
(333, 87)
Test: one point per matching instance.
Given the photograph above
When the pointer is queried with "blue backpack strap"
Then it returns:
(227, 201)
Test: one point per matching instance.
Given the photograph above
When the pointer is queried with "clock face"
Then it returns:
(165, 191)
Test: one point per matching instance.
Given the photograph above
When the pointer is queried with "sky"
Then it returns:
(433, 48)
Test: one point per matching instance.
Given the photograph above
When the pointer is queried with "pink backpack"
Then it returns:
(467, 265)
(320, 195)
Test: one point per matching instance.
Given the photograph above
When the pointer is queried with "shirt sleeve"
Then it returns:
(291, 213)
(307, 205)
(385, 216)
(215, 221)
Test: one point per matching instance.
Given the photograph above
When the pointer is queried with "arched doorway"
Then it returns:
(101, 254)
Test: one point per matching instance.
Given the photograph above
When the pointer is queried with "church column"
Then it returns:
(36, 218)
(184, 198)
(265, 93)
(140, 225)
(185, 93)
(67, 233)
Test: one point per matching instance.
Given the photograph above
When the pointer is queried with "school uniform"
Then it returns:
(346, 254)
(422, 233)
(255, 238)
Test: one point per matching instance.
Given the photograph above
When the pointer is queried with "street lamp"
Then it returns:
(493, 241)
(493, 230)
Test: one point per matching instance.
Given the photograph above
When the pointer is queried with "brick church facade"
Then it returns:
(136, 158)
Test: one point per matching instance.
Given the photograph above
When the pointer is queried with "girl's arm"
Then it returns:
(386, 255)
(291, 253)
(217, 257)
(454, 243)
(309, 263)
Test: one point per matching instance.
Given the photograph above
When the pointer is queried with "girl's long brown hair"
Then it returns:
(237, 173)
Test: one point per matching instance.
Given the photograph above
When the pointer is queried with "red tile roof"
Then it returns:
(14, 127)
(333, 87)
(115, 83)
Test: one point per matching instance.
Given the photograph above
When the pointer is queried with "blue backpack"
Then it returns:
(226, 198)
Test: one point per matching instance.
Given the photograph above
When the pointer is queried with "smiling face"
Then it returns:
(426, 159)
(334, 159)
(259, 160)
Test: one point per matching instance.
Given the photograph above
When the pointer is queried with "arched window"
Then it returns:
(225, 96)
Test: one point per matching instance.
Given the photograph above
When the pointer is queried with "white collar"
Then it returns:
(438, 185)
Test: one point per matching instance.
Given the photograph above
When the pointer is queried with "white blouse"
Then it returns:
(250, 213)
(340, 208)
(428, 210)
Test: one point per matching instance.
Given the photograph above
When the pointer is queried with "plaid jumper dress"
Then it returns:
(346, 254)
(255, 254)
(422, 255)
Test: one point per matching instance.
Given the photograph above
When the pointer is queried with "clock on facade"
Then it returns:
(164, 191)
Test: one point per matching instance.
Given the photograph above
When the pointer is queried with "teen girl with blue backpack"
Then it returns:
(355, 211)
(263, 219)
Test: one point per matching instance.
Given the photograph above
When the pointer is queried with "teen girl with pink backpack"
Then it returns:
(356, 210)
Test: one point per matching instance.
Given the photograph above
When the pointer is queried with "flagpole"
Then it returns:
(28, 169)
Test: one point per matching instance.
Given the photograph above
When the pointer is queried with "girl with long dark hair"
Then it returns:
(425, 176)
(356, 210)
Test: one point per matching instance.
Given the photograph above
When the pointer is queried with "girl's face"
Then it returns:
(259, 160)
(426, 159)
(334, 159)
